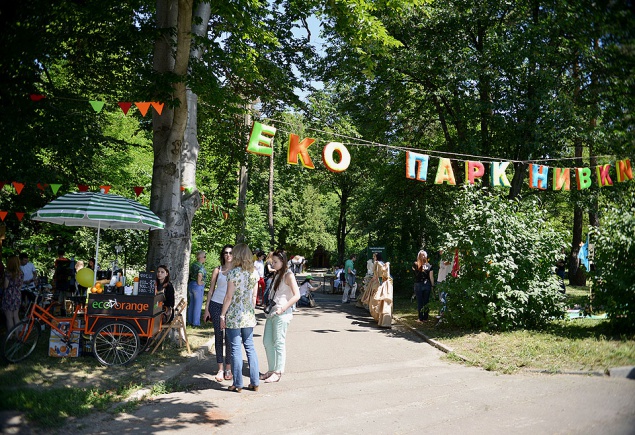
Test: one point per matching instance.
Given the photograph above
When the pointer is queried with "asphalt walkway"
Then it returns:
(346, 376)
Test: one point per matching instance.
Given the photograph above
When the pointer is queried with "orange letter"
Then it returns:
(299, 149)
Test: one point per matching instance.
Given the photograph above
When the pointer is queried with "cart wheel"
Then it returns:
(116, 343)
(21, 340)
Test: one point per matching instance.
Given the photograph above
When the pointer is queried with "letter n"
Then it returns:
(412, 171)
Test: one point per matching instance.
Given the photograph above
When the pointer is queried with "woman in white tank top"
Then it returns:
(284, 291)
(213, 307)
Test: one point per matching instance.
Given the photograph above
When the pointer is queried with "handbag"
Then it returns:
(270, 305)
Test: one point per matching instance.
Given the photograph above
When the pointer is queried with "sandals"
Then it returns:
(228, 375)
(264, 376)
(275, 377)
(219, 376)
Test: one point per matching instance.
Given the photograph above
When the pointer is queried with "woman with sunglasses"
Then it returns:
(213, 308)
(284, 292)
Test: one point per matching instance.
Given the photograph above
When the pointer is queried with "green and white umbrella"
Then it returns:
(98, 210)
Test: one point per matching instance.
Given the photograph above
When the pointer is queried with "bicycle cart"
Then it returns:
(119, 327)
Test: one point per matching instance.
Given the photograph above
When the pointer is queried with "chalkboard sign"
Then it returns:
(147, 281)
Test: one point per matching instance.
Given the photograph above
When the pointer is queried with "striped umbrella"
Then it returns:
(98, 210)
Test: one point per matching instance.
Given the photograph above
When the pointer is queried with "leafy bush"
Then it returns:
(615, 265)
(507, 254)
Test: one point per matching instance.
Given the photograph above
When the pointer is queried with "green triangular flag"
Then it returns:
(55, 187)
(97, 105)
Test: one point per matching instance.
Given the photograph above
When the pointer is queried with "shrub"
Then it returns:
(614, 287)
(507, 254)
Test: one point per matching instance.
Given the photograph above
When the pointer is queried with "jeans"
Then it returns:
(219, 335)
(349, 286)
(274, 339)
(244, 336)
(422, 291)
(195, 294)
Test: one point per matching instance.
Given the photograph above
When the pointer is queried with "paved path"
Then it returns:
(345, 376)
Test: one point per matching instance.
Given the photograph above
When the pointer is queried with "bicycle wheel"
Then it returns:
(21, 341)
(116, 343)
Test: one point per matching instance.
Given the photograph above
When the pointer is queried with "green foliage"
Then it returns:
(614, 288)
(507, 254)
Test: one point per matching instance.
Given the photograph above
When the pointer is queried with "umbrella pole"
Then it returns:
(96, 261)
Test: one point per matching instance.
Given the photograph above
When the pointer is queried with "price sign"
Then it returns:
(147, 281)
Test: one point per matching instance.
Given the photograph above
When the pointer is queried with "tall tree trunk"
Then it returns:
(172, 245)
(243, 182)
(576, 273)
(272, 233)
(341, 227)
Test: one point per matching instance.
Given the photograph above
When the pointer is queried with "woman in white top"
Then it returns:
(284, 292)
(213, 307)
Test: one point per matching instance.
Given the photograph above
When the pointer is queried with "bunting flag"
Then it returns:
(19, 215)
(104, 189)
(36, 97)
(2, 183)
(455, 264)
(138, 190)
(143, 108)
(125, 106)
(158, 107)
(55, 187)
(42, 186)
(97, 105)
(3, 214)
(82, 187)
(18, 186)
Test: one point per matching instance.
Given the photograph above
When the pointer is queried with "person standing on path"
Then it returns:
(285, 293)
(424, 281)
(11, 296)
(349, 285)
(196, 289)
(213, 309)
(238, 316)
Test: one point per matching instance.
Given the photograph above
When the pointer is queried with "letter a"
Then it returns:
(445, 172)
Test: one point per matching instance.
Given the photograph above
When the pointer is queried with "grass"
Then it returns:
(580, 345)
(51, 390)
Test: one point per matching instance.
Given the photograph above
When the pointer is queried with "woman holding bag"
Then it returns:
(284, 292)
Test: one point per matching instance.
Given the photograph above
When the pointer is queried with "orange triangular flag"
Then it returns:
(104, 189)
(18, 186)
(125, 107)
(20, 215)
(137, 190)
(143, 108)
(157, 106)
(55, 187)
(3, 214)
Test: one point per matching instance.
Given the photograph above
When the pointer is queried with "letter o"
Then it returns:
(327, 157)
